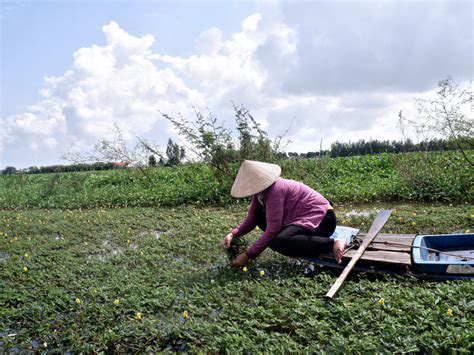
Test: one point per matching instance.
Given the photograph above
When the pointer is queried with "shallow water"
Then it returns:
(157, 233)
(4, 256)
(362, 213)
(110, 250)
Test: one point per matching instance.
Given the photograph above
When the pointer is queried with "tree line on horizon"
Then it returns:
(375, 146)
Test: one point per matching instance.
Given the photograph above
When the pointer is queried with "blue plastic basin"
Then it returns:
(428, 256)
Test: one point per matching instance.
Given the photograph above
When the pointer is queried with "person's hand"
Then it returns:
(227, 240)
(241, 260)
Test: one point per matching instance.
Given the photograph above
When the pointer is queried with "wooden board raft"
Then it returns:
(381, 249)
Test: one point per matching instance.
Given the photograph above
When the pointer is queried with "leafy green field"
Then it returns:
(155, 279)
(443, 177)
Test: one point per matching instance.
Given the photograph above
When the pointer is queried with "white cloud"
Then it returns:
(34, 146)
(251, 22)
(50, 142)
(378, 46)
(106, 84)
(210, 41)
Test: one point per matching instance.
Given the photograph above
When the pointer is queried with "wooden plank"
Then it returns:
(388, 257)
(391, 242)
(383, 246)
(389, 237)
(381, 253)
(377, 225)
(380, 235)
(382, 242)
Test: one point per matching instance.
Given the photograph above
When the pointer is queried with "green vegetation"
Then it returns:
(105, 261)
(9, 170)
(155, 279)
(443, 177)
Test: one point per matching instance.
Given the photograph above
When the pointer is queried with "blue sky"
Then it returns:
(343, 70)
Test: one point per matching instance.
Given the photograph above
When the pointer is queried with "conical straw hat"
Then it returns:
(254, 177)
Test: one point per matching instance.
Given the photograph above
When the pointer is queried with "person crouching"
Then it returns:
(296, 220)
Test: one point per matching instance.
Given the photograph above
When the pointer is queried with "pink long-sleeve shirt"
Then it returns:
(286, 202)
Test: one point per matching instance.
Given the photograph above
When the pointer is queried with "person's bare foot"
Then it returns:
(338, 249)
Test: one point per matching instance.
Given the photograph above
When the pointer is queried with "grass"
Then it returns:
(176, 292)
(434, 176)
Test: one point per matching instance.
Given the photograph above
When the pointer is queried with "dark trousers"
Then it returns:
(300, 242)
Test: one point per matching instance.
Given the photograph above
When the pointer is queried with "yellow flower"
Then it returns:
(414, 213)
(413, 223)
(381, 301)
(78, 301)
(244, 269)
(467, 231)
(185, 314)
(138, 316)
(262, 273)
(129, 241)
(116, 301)
(26, 255)
(25, 269)
(400, 219)
(472, 215)
(450, 312)
(142, 254)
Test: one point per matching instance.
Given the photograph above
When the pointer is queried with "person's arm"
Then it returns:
(274, 210)
(250, 222)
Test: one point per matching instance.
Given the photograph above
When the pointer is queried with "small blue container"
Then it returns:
(428, 254)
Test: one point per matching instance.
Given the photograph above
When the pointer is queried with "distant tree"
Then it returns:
(33, 170)
(9, 170)
(295, 156)
(311, 155)
(151, 160)
(174, 152)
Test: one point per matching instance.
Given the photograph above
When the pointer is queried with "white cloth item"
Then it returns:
(344, 233)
